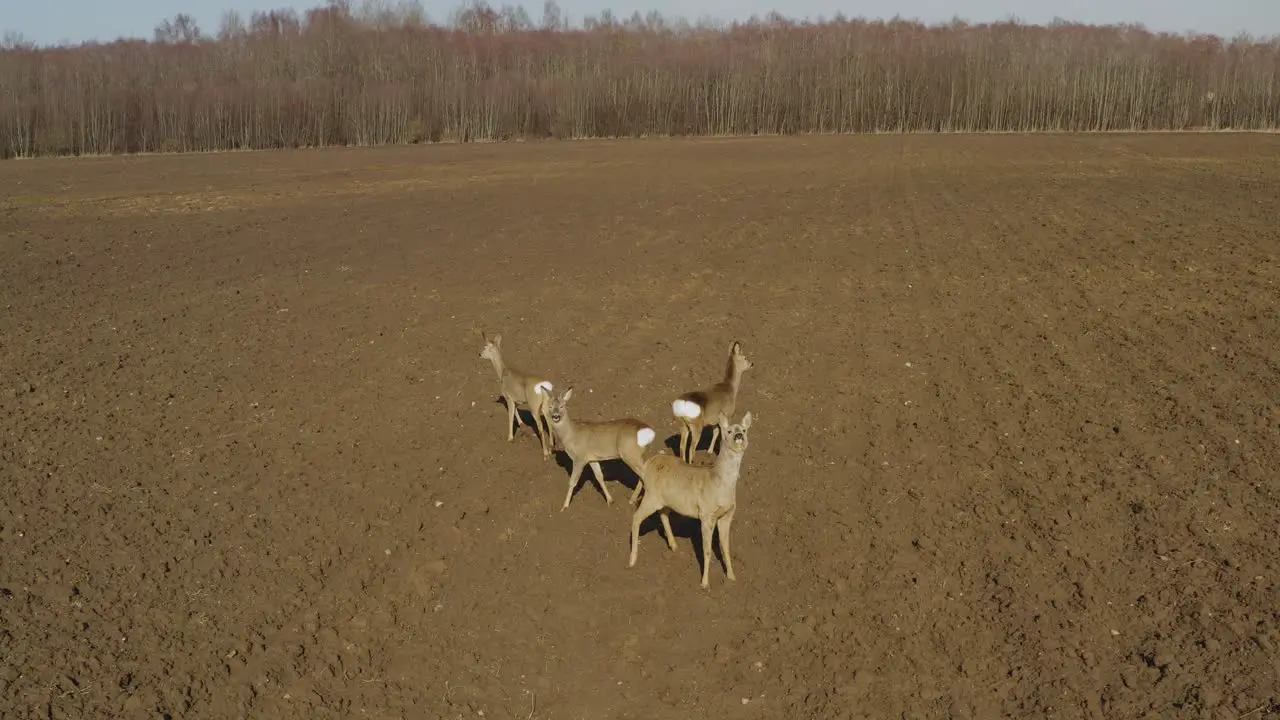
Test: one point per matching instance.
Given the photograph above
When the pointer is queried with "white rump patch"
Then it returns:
(644, 436)
(686, 409)
(543, 388)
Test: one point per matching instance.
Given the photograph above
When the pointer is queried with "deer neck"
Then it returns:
(498, 366)
(733, 378)
(727, 466)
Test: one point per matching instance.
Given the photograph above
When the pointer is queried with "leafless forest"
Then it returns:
(374, 75)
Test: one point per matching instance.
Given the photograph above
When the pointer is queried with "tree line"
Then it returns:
(379, 74)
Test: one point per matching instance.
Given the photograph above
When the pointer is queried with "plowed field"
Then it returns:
(1015, 450)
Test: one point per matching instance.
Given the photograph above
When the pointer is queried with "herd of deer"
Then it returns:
(707, 494)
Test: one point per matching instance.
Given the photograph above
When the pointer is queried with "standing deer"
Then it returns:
(588, 443)
(519, 387)
(695, 410)
(709, 494)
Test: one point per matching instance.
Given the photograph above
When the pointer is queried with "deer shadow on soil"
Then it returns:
(615, 471)
(524, 415)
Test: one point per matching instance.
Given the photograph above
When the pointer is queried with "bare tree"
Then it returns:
(381, 73)
(14, 40)
(181, 29)
(552, 17)
(232, 27)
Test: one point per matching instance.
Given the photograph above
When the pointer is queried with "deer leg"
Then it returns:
(636, 464)
(695, 436)
(715, 435)
(666, 527)
(535, 424)
(546, 418)
(513, 419)
(635, 493)
(647, 508)
(684, 440)
(541, 419)
(544, 430)
(724, 524)
(707, 529)
(595, 468)
(573, 482)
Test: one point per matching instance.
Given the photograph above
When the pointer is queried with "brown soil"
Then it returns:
(1015, 452)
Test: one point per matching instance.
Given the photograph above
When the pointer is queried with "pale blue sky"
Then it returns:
(50, 21)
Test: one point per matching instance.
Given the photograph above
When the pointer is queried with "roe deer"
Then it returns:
(695, 410)
(709, 494)
(588, 443)
(520, 387)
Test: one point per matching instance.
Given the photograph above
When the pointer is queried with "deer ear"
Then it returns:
(746, 421)
(497, 340)
(724, 421)
(736, 348)
(567, 394)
